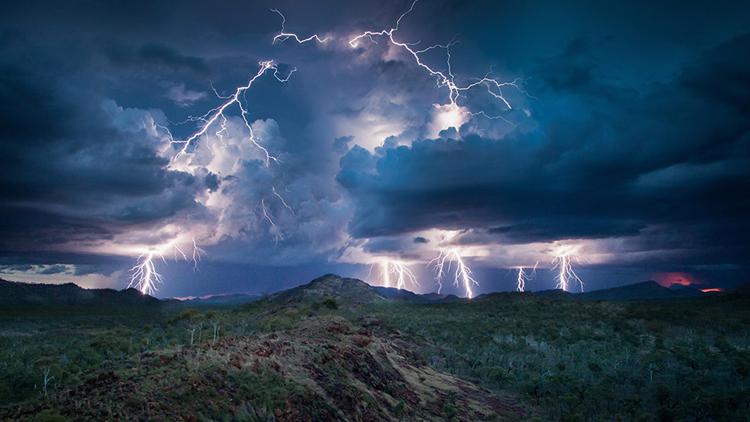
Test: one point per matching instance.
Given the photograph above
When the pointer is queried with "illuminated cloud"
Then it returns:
(371, 154)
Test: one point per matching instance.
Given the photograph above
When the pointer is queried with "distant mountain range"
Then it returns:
(233, 299)
(646, 290)
(330, 286)
(351, 291)
(69, 294)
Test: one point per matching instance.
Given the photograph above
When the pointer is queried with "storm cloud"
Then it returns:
(630, 132)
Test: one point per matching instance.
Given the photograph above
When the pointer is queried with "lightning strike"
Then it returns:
(217, 117)
(523, 277)
(197, 253)
(565, 256)
(444, 78)
(281, 199)
(451, 259)
(274, 230)
(396, 274)
(144, 276)
(283, 36)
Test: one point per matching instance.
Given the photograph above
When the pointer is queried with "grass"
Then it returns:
(678, 360)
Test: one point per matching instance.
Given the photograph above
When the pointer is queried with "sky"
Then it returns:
(617, 135)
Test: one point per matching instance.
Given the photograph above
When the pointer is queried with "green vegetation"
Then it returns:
(558, 358)
(677, 360)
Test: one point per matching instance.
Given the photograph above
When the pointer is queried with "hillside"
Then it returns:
(13, 294)
(338, 349)
(325, 369)
(343, 290)
(300, 361)
(647, 290)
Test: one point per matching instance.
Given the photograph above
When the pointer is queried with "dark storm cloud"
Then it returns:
(69, 173)
(604, 160)
(639, 123)
(156, 55)
(54, 269)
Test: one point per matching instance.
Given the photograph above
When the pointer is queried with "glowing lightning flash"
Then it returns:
(523, 277)
(563, 263)
(462, 275)
(396, 274)
(283, 36)
(144, 276)
(443, 78)
(216, 115)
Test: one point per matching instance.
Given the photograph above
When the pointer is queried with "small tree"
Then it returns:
(46, 379)
(191, 330)
(216, 332)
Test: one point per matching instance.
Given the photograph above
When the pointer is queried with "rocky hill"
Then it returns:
(321, 367)
(331, 287)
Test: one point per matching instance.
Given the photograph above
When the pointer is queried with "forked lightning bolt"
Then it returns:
(443, 78)
(145, 278)
(450, 258)
(563, 263)
(283, 36)
(397, 274)
(216, 117)
(523, 277)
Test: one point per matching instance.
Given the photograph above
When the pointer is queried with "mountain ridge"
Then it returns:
(329, 286)
(13, 293)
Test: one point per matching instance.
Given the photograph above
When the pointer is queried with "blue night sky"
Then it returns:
(626, 143)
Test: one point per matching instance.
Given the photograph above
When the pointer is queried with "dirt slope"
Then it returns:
(324, 369)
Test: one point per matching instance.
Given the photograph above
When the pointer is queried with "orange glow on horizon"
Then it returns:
(712, 290)
(670, 279)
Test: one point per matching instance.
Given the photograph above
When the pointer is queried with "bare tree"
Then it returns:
(46, 379)
(192, 334)
(216, 332)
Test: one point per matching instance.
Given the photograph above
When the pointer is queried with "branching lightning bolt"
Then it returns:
(566, 275)
(450, 258)
(217, 117)
(144, 276)
(197, 253)
(396, 274)
(283, 36)
(523, 277)
(443, 78)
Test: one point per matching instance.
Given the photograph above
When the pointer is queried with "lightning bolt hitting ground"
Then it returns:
(523, 277)
(565, 256)
(144, 275)
(145, 278)
(450, 258)
(396, 274)
(444, 78)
